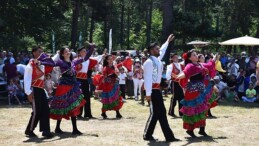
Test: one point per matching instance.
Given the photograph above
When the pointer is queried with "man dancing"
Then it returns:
(34, 88)
(153, 68)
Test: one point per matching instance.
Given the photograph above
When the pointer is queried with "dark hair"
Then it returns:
(189, 54)
(35, 48)
(80, 49)
(7, 61)
(62, 51)
(199, 56)
(151, 46)
(173, 54)
(105, 62)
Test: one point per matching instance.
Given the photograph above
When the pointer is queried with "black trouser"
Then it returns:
(157, 112)
(85, 89)
(122, 89)
(40, 111)
(177, 96)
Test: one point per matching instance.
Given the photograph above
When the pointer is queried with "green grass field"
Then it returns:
(237, 124)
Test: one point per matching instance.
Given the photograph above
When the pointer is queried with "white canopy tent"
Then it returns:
(198, 44)
(246, 41)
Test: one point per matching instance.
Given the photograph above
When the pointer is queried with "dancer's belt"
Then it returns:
(38, 83)
(81, 75)
(154, 86)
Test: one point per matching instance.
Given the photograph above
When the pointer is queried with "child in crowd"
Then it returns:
(130, 85)
(250, 94)
(12, 92)
(122, 76)
(241, 83)
(49, 86)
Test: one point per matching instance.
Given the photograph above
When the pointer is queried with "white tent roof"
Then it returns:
(198, 43)
(246, 41)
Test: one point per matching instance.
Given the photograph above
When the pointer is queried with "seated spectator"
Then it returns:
(10, 70)
(233, 67)
(232, 84)
(250, 94)
(241, 84)
(12, 92)
(20, 91)
(222, 87)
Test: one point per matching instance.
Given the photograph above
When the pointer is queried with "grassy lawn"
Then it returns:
(237, 124)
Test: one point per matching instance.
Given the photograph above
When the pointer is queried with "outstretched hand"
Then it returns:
(170, 38)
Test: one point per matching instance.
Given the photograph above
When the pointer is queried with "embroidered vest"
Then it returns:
(176, 71)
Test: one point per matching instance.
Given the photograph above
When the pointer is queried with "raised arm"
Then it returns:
(165, 46)
(89, 52)
(45, 60)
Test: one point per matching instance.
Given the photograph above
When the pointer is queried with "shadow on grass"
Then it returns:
(203, 139)
(56, 137)
(159, 143)
(239, 104)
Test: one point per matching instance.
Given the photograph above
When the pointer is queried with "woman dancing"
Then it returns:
(68, 98)
(109, 86)
(197, 95)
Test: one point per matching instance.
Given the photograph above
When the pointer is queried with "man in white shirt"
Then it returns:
(153, 68)
(82, 76)
(175, 68)
(34, 89)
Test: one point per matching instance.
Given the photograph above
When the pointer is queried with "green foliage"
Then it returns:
(26, 23)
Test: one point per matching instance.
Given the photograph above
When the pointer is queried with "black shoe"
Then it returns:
(191, 134)
(77, 132)
(104, 115)
(203, 133)
(118, 116)
(172, 140)
(30, 133)
(142, 103)
(79, 117)
(58, 131)
(90, 116)
(47, 134)
(173, 115)
(150, 138)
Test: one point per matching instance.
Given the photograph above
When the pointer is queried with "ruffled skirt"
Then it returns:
(111, 99)
(195, 104)
(67, 102)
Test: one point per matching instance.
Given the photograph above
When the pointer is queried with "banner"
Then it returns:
(110, 41)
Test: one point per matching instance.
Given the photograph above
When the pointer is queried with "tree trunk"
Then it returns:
(128, 29)
(122, 24)
(149, 21)
(105, 30)
(167, 28)
(76, 4)
(91, 30)
(86, 23)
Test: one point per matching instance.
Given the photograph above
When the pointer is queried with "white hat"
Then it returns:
(216, 78)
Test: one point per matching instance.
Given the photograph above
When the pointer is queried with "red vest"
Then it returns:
(37, 73)
(176, 71)
(83, 75)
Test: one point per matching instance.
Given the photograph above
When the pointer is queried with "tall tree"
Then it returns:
(167, 29)
(76, 8)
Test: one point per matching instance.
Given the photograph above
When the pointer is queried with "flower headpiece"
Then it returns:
(185, 57)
